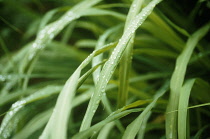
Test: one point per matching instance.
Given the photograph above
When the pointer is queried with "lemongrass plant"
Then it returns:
(102, 69)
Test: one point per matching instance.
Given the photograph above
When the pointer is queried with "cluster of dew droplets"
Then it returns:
(69, 16)
(3, 78)
(15, 107)
(101, 91)
(50, 31)
(114, 59)
(139, 19)
(103, 86)
(110, 65)
(133, 8)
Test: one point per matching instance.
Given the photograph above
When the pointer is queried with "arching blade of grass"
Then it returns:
(182, 110)
(35, 124)
(164, 35)
(177, 80)
(68, 32)
(113, 61)
(8, 126)
(95, 28)
(57, 124)
(46, 18)
(9, 67)
(163, 24)
(49, 15)
(143, 126)
(49, 32)
(179, 29)
(89, 72)
(41, 119)
(86, 43)
(101, 42)
(127, 56)
(10, 120)
(134, 127)
(97, 11)
(96, 74)
(112, 117)
(105, 131)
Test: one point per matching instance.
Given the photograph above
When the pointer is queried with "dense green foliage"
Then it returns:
(104, 69)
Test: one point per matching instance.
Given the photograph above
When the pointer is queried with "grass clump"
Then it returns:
(101, 69)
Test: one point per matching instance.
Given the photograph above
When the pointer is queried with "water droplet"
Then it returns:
(2, 78)
(97, 78)
(98, 102)
(107, 81)
(34, 45)
(133, 31)
(51, 36)
(103, 89)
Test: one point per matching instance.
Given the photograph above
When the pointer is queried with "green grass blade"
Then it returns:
(39, 121)
(143, 127)
(68, 33)
(113, 61)
(89, 72)
(96, 74)
(50, 31)
(177, 80)
(7, 125)
(67, 66)
(57, 124)
(179, 29)
(125, 63)
(134, 127)
(35, 124)
(100, 44)
(86, 43)
(105, 131)
(46, 18)
(182, 110)
(101, 12)
(95, 128)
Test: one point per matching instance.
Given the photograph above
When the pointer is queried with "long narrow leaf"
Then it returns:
(95, 128)
(133, 128)
(57, 124)
(127, 56)
(177, 80)
(182, 110)
(113, 61)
